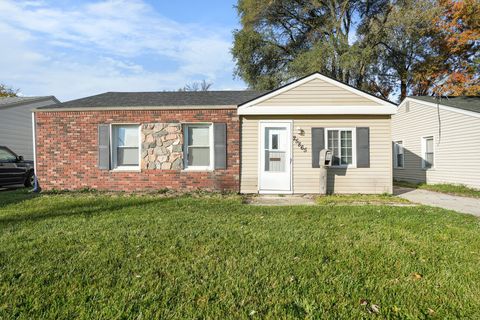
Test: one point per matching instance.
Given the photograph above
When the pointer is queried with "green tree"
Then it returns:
(6, 91)
(374, 45)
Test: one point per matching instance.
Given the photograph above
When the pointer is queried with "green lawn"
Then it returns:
(97, 256)
(454, 189)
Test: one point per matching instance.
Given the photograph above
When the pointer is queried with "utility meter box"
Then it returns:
(325, 158)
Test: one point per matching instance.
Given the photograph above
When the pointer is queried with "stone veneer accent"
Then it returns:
(162, 146)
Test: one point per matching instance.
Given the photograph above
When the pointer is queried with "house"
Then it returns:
(16, 122)
(436, 140)
(247, 141)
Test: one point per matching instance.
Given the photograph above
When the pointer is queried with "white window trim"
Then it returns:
(354, 146)
(395, 159)
(186, 167)
(126, 168)
(424, 149)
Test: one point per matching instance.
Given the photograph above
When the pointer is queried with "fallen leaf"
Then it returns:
(374, 308)
(416, 276)
(252, 313)
(431, 311)
(363, 302)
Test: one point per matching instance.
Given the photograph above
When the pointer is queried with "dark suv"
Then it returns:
(14, 170)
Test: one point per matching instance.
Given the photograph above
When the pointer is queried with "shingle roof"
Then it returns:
(469, 103)
(10, 101)
(160, 99)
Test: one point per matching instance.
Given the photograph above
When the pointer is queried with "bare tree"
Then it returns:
(197, 86)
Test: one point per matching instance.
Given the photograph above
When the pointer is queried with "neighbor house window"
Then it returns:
(198, 146)
(398, 154)
(341, 143)
(428, 153)
(125, 146)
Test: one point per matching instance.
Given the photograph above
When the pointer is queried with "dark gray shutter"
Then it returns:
(318, 143)
(104, 146)
(363, 147)
(220, 145)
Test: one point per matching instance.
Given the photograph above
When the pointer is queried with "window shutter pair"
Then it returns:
(219, 138)
(363, 146)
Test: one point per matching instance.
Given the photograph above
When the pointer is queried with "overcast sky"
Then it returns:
(73, 49)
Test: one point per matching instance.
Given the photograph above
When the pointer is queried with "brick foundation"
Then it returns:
(67, 152)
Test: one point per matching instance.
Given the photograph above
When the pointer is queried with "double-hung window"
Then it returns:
(342, 144)
(428, 153)
(398, 154)
(126, 146)
(198, 146)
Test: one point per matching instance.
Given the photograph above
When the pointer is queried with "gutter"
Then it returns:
(133, 108)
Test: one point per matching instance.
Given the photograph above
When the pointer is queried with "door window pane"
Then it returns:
(274, 141)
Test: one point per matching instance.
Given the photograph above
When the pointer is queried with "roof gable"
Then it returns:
(317, 94)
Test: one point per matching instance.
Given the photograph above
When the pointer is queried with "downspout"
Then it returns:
(36, 187)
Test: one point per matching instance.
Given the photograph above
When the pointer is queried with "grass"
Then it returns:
(453, 189)
(385, 199)
(97, 256)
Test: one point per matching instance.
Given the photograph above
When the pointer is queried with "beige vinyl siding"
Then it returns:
(318, 93)
(376, 179)
(456, 145)
(16, 127)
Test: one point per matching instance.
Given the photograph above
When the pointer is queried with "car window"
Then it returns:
(6, 156)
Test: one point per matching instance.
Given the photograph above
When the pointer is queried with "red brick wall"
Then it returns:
(67, 151)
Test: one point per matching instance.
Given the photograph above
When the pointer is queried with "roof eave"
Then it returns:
(134, 108)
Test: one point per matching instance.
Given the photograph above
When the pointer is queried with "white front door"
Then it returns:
(275, 157)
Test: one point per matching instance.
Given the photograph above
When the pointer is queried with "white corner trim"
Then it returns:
(314, 76)
(318, 110)
(442, 106)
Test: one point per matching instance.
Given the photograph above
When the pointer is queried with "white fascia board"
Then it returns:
(318, 110)
(310, 78)
(442, 106)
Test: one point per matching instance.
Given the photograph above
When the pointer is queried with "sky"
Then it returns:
(72, 49)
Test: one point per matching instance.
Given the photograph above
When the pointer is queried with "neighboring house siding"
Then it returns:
(376, 179)
(317, 93)
(16, 127)
(456, 142)
(67, 152)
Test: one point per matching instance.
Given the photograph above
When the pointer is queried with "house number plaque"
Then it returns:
(299, 144)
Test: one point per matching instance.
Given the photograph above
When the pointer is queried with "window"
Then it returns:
(125, 146)
(428, 152)
(7, 156)
(341, 143)
(198, 146)
(398, 154)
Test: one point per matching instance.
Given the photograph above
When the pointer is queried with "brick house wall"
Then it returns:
(67, 152)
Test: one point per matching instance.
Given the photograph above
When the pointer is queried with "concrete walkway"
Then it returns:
(286, 200)
(442, 200)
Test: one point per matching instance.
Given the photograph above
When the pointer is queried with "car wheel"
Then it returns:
(30, 180)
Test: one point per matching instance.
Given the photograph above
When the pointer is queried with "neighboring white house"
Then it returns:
(437, 140)
(16, 122)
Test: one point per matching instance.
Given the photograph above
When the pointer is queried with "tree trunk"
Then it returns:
(403, 89)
